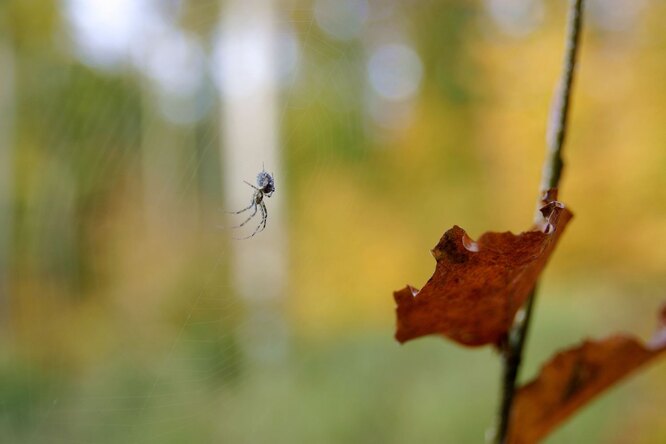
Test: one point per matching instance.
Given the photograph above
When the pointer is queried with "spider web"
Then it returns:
(134, 138)
(137, 317)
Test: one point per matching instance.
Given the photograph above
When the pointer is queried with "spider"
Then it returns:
(265, 188)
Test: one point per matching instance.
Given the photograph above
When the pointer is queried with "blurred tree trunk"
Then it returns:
(250, 139)
(7, 111)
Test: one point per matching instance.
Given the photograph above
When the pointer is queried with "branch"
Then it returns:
(559, 112)
(512, 348)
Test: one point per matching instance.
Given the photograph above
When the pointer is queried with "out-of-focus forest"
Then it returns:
(128, 312)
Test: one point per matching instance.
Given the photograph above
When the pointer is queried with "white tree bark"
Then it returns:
(250, 140)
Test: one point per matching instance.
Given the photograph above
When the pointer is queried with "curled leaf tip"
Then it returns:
(550, 212)
(451, 247)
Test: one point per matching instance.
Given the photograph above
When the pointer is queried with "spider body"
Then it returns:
(264, 188)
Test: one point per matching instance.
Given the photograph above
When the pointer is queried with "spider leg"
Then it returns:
(264, 215)
(251, 185)
(252, 204)
(248, 219)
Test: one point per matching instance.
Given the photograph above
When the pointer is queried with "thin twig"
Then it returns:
(512, 348)
(559, 114)
(512, 355)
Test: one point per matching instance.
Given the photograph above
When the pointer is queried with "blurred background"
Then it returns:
(128, 313)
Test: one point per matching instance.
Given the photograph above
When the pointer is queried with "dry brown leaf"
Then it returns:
(478, 287)
(573, 377)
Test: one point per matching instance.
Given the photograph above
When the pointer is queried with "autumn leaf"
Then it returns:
(478, 287)
(575, 376)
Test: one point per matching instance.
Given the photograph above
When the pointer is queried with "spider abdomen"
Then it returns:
(265, 182)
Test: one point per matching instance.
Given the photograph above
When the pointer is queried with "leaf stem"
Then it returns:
(512, 347)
